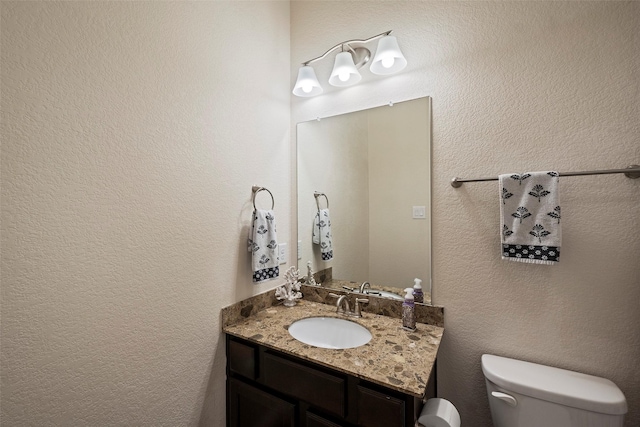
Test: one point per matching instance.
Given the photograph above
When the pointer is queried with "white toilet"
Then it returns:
(523, 394)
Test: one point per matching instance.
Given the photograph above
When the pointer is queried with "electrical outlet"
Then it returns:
(419, 212)
(282, 252)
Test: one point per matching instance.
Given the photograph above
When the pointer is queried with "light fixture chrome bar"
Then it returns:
(348, 42)
(632, 172)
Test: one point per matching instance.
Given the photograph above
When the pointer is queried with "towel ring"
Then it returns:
(317, 194)
(256, 190)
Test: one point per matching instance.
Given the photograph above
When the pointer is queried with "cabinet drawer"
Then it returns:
(314, 420)
(379, 409)
(242, 359)
(313, 386)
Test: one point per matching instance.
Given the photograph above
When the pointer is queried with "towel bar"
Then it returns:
(632, 172)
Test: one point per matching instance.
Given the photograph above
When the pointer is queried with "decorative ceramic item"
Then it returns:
(290, 291)
(310, 279)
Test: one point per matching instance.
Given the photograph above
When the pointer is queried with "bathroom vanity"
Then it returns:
(275, 380)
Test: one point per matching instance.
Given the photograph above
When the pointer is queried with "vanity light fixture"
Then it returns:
(307, 83)
(344, 71)
(354, 55)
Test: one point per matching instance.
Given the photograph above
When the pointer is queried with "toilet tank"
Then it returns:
(524, 394)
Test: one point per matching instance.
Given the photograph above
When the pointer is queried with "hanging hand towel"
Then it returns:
(322, 234)
(263, 245)
(530, 217)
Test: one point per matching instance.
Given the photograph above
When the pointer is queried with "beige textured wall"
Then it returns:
(132, 133)
(516, 86)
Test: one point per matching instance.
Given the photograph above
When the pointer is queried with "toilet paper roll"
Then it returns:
(439, 413)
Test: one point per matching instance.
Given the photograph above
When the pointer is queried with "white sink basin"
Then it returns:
(329, 332)
(385, 294)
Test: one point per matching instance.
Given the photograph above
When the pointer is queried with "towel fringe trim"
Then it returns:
(530, 261)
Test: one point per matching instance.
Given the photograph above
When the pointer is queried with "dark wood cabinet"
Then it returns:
(319, 388)
(379, 406)
(314, 420)
(267, 388)
(249, 406)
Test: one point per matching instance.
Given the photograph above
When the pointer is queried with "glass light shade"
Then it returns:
(344, 71)
(389, 59)
(307, 83)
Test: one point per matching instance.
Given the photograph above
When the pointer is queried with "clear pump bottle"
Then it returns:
(418, 295)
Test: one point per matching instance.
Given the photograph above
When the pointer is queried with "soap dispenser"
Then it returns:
(409, 311)
(418, 295)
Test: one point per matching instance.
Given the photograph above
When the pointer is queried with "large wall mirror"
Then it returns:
(374, 166)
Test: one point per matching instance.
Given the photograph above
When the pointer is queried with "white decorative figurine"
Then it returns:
(290, 291)
(310, 279)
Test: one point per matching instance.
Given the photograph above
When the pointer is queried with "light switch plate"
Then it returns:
(419, 212)
(299, 244)
(282, 252)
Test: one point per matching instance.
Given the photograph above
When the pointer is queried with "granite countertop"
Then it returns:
(394, 358)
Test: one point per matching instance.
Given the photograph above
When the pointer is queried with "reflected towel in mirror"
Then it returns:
(322, 234)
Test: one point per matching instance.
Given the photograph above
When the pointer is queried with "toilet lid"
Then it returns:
(556, 385)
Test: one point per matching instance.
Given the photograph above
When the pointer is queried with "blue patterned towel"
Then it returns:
(322, 234)
(263, 245)
(530, 217)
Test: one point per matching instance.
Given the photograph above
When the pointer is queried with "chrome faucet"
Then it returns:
(343, 307)
(364, 286)
(356, 310)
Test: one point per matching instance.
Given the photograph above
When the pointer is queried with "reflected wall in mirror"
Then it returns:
(374, 168)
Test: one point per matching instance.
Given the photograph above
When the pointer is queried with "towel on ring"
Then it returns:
(322, 234)
(263, 245)
(530, 217)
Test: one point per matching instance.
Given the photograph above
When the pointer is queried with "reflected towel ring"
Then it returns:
(317, 194)
(256, 190)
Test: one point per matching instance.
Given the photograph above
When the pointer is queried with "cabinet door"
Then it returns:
(251, 407)
(379, 409)
(241, 359)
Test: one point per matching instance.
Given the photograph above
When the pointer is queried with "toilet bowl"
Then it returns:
(524, 394)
